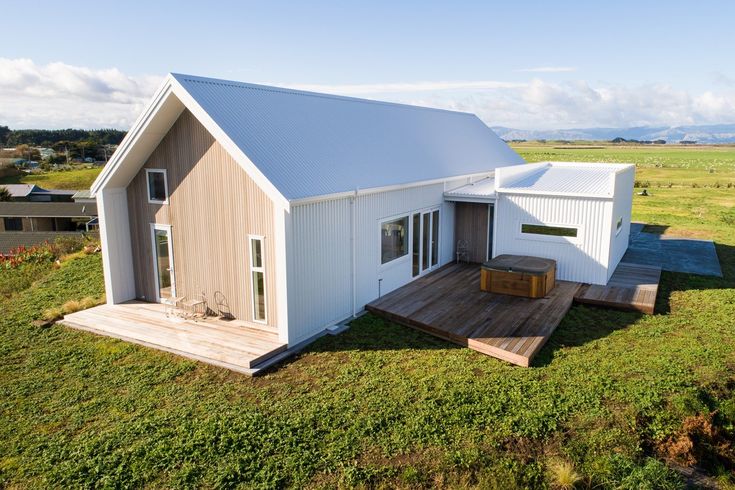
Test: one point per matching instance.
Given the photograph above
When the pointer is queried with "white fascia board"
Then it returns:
(206, 120)
(388, 188)
(469, 198)
(554, 194)
(132, 137)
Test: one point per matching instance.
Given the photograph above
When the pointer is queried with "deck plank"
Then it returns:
(449, 304)
(231, 344)
(631, 287)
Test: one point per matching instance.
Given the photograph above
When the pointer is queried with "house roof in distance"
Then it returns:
(25, 190)
(305, 145)
(48, 209)
(20, 190)
(562, 178)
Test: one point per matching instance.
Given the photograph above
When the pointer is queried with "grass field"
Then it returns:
(66, 179)
(655, 165)
(620, 399)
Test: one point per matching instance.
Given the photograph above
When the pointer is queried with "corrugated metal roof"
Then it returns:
(568, 178)
(483, 190)
(309, 144)
(48, 209)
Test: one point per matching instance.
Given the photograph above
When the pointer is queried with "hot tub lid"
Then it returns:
(520, 263)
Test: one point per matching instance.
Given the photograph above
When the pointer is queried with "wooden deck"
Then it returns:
(230, 344)
(631, 287)
(448, 303)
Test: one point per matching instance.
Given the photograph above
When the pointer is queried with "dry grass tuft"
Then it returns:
(563, 475)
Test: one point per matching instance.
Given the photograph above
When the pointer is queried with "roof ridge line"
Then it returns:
(308, 93)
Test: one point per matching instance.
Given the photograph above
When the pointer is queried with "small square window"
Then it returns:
(157, 186)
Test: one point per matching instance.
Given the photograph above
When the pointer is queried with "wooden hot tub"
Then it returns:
(518, 275)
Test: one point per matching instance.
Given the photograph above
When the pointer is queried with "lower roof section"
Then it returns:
(482, 191)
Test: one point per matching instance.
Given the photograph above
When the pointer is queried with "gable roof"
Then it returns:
(565, 179)
(303, 144)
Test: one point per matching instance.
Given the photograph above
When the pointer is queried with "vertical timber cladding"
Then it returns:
(471, 225)
(213, 206)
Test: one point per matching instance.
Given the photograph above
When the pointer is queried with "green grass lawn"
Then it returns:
(64, 179)
(656, 165)
(623, 397)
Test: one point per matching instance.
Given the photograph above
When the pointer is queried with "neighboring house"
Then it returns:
(46, 216)
(34, 193)
(46, 152)
(295, 209)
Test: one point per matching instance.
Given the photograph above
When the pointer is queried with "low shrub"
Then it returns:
(38, 254)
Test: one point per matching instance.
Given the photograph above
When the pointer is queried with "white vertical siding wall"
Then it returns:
(622, 207)
(584, 260)
(117, 255)
(319, 251)
(319, 270)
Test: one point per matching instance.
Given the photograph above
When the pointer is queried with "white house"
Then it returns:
(292, 210)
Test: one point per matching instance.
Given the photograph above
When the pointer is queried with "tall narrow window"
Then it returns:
(425, 241)
(257, 271)
(434, 238)
(416, 239)
(157, 185)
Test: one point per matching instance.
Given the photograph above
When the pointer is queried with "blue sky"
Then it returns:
(520, 64)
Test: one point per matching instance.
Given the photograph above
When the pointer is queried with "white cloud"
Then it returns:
(61, 95)
(549, 69)
(540, 104)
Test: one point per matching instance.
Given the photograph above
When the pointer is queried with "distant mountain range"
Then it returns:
(716, 133)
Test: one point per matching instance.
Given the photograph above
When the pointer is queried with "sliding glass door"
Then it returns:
(425, 241)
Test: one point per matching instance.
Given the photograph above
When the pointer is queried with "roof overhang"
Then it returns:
(481, 191)
(169, 101)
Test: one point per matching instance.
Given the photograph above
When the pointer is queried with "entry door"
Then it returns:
(163, 262)
(425, 242)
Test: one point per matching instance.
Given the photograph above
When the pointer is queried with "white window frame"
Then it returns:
(261, 269)
(149, 171)
(172, 268)
(549, 238)
(403, 257)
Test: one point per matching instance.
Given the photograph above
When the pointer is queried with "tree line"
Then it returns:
(50, 137)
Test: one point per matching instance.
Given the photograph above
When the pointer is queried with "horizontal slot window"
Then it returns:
(561, 231)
